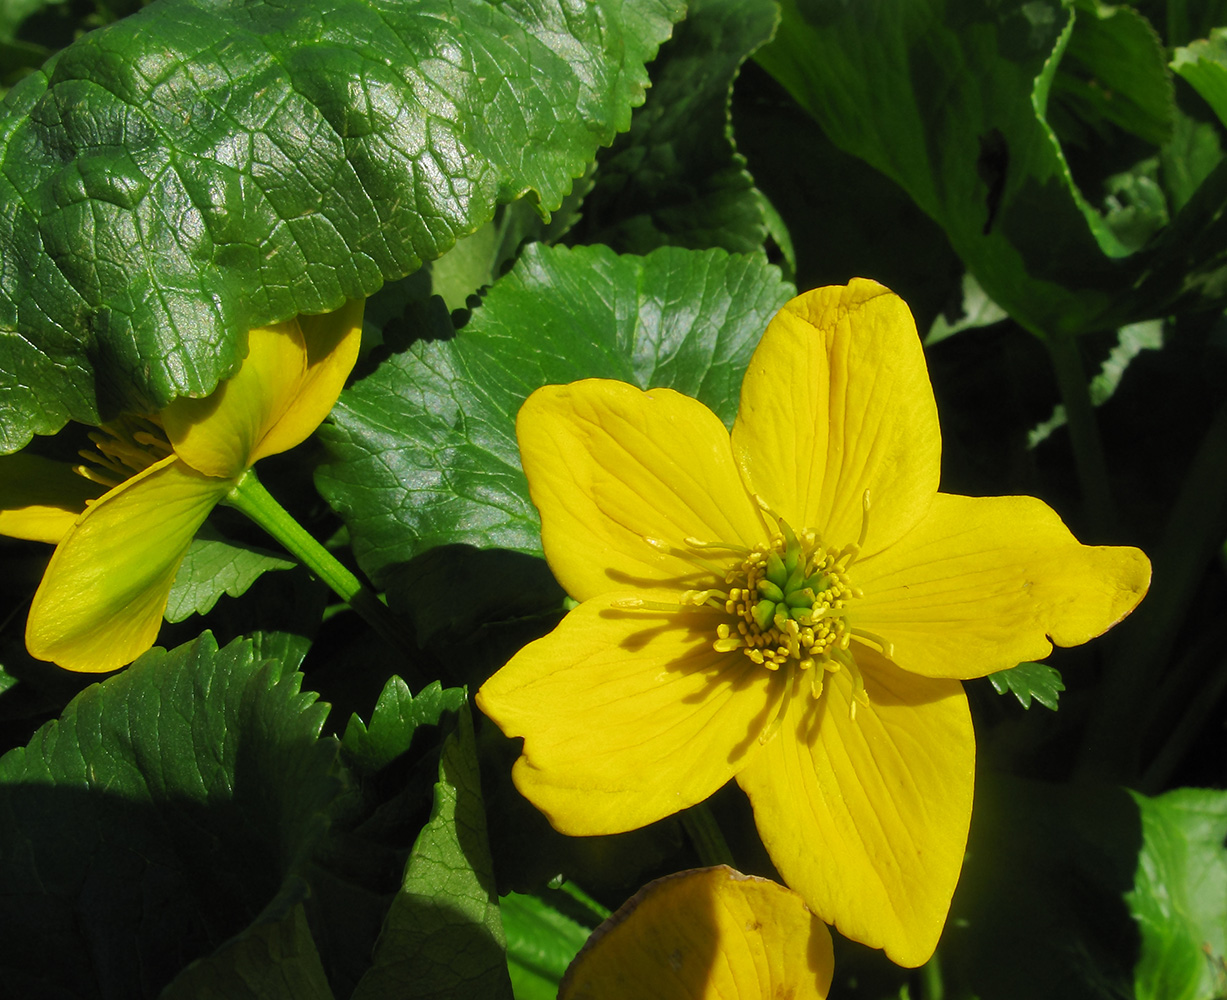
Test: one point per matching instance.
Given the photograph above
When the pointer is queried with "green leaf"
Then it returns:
(952, 101)
(158, 818)
(201, 168)
(396, 717)
(675, 179)
(423, 449)
(1030, 680)
(477, 260)
(1114, 70)
(869, 225)
(1191, 155)
(1179, 897)
(541, 942)
(1131, 341)
(1135, 208)
(977, 310)
(275, 959)
(497, 586)
(214, 566)
(443, 936)
(1204, 65)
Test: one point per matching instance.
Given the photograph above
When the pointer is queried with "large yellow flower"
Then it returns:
(102, 597)
(793, 607)
(705, 934)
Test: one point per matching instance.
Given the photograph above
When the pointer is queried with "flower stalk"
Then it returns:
(250, 497)
(706, 836)
(1089, 458)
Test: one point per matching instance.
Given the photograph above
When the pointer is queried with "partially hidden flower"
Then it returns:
(793, 606)
(705, 934)
(123, 521)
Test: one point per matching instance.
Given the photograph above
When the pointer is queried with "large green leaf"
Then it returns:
(156, 819)
(200, 168)
(1179, 897)
(424, 449)
(442, 936)
(675, 179)
(1113, 70)
(956, 102)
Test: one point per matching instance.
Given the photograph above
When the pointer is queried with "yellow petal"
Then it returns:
(983, 583)
(867, 817)
(705, 934)
(332, 341)
(288, 382)
(41, 499)
(837, 401)
(610, 466)
(101, 600)
(627, 716)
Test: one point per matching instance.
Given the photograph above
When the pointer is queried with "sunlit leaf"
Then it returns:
(1030, 680)
(1180, 896)
(424, 450)
(954, 101)
(198, 169)
(541, 942)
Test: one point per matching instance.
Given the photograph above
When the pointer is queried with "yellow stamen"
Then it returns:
(887, 648)
(788, 690)
(94, 476)
(696, 543)
(122, 448)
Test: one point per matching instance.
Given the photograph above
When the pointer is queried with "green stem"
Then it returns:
(251, 498)
(704, 832)
(1084, 433)
(931, 985)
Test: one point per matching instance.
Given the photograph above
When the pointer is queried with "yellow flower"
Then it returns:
(102, 597)
(705, 934)
(793, 607)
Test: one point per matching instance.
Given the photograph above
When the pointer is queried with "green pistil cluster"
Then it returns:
(788, 602)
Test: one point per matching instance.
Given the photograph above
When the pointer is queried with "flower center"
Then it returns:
(784, 606)
(788, 600)
(122, 448)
